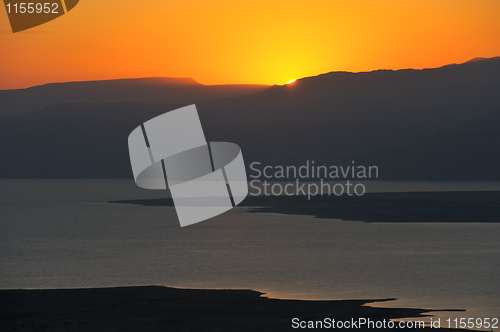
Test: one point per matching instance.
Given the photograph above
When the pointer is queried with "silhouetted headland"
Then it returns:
(155, 308)
(478, 206)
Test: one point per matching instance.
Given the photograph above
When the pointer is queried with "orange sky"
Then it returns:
(246, 41)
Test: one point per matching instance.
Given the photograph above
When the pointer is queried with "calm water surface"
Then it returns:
(61, 234)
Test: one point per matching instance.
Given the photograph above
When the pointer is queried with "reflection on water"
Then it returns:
(59, 234)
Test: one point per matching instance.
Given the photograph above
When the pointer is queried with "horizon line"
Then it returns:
(195, 82)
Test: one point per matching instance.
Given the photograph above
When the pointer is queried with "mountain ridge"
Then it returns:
(435, 124)
(147, 90)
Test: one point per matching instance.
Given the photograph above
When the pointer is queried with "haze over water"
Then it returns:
(62, 234)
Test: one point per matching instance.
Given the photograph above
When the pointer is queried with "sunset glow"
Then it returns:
(247, 41)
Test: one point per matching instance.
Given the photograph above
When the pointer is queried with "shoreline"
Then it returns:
(453, 206)
(158, 308)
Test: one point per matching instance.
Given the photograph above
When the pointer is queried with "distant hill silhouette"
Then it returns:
(158, 90)
(432, 124)
(375, 117)
(477, 59)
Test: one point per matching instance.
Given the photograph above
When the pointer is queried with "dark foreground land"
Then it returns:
(480, 206)
(154, 308)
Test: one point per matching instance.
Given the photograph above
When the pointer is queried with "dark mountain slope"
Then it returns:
(159, 90)
(433, 124)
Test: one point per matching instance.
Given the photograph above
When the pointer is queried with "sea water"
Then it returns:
(64, 234)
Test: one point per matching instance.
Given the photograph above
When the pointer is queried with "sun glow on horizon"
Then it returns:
(291, 81)
(252, 45)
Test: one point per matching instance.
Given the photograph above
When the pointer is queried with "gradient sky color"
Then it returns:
(246, 41)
